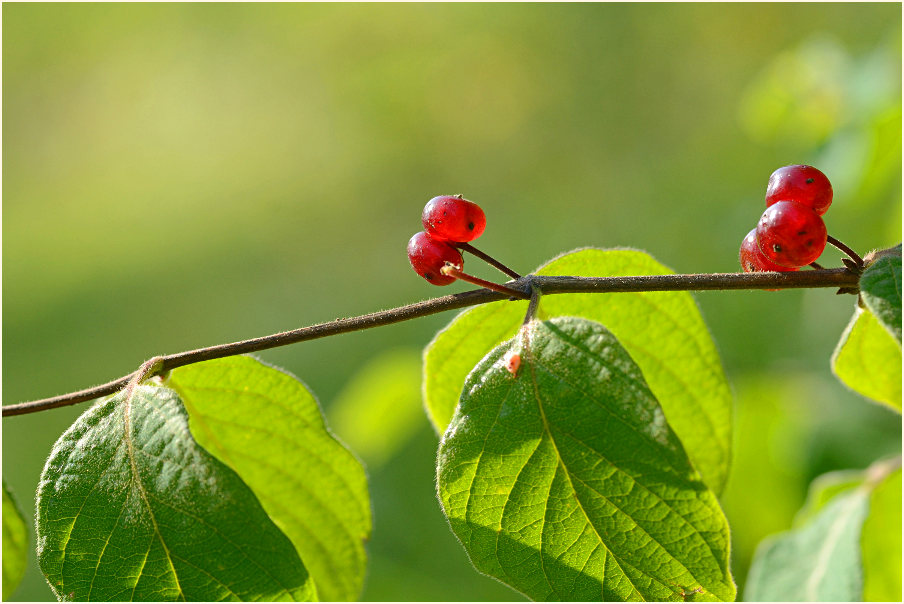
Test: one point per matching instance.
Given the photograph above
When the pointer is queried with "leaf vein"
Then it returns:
(559, 460)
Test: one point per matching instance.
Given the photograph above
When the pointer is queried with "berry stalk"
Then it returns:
(851, 253)
(452, 271)
(467, 247)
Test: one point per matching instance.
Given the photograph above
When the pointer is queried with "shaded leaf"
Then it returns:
(15, 543)
(265, 424)
(566, 482)
(868, 360)
(663, 331)
(880, 289)
(131, 508)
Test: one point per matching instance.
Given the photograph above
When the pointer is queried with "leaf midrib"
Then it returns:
(828, 546)
(169, 555)
(561, 463)
(619, 469)
(534, 364)
(136, 480)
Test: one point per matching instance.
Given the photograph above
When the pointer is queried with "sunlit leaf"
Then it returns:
(663, 331)
(566, 482)
(15, 542)
(130, 508)
(881, 543)
(265, 424)
(880, 289)
(458, 347)
(868, 360)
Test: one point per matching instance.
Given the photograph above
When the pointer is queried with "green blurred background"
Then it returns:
(181, 175)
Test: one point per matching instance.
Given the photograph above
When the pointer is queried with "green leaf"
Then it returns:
(818, 562)
(566, 482)
(846, 544)
(823, 489)
(880, 289)
(663, 331)
(129, 508)
(868, 360)
(458, 347)
(881, 543)
(265, 424)
(378, 411)
(15, 542)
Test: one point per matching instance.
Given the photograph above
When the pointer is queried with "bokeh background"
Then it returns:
(181, 175)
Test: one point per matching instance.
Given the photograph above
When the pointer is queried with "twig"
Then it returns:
(835, 278)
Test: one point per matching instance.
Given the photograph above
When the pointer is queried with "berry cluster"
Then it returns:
(791, 233)
(450, 222)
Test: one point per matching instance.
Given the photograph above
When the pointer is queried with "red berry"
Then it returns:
(804, 184)
(451, 218)
(753, 260)
(791, 234)
(428, 257)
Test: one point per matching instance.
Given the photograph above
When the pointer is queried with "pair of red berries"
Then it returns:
(448, 220)
(791, 233)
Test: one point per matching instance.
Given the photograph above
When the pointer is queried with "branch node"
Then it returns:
(535, 294)
(851, 265)
(147, 370)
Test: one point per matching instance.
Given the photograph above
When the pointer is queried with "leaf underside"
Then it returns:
(819, 562)
(566, 482)
(663, 332)
(845, 545)
(824, 489)
(130, 508)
